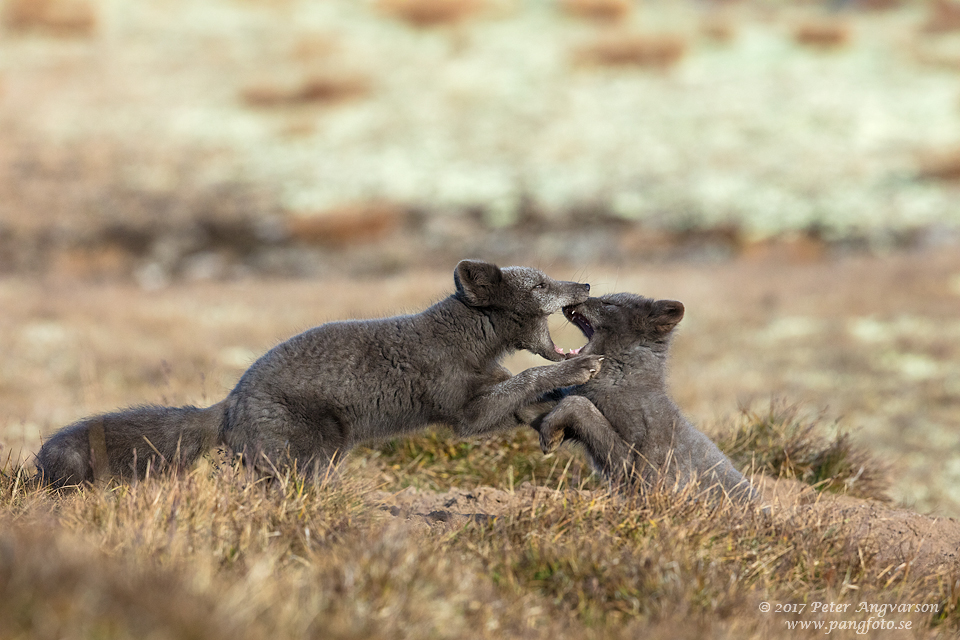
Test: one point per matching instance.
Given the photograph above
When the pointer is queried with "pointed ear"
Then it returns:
(475, 281)
(666, 315)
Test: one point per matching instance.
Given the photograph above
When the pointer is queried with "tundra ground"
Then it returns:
(436, 537)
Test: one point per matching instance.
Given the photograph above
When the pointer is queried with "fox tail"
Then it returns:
(127, 443)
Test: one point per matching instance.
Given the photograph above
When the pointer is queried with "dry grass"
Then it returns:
(823, 33)
(214, 553)
(780, 443)
(654, 51)
(53, 585)
(315, 88)
(598, 10)
(63, 18)
(435, 461)
(432, 13)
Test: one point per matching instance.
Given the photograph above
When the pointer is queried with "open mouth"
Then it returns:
(580, 320)
(582, 323)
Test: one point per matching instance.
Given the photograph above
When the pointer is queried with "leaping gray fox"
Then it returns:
(310, 399)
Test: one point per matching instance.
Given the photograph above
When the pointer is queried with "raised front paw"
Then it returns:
(581, 369)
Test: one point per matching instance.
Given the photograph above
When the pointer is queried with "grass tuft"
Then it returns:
(779, 442)
(607, 560)
(948, 616)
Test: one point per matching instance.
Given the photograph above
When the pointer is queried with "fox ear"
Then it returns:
(475, 281)
(666, 315)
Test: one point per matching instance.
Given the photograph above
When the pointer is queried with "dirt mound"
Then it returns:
(897, 540)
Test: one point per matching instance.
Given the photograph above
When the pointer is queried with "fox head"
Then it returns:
(518, 301)
(618, 324)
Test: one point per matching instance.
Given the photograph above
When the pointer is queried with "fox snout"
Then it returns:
(569, 294)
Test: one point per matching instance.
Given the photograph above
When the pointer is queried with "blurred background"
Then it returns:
(184, 184)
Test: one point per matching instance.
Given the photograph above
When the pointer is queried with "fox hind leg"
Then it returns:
(576, 418)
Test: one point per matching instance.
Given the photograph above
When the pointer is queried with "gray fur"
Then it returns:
(312, 398)
(126, 443)
(624, 417)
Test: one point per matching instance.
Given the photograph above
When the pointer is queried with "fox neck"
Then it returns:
(474, 330)
(637, 382)
(641, 370)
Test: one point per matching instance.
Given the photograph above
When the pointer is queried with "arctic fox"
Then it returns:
(310, 399)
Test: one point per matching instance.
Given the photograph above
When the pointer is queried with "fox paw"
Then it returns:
(550, 440)
(583, 368)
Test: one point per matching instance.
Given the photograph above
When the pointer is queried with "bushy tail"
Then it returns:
(126, 443)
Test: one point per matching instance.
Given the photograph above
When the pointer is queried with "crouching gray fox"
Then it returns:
(310, 399)
(624, 417)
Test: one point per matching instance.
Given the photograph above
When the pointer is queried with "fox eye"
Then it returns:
(542, 285)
